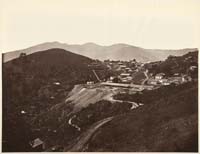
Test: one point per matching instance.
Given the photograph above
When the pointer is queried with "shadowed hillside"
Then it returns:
(32, 84)
(167, 123)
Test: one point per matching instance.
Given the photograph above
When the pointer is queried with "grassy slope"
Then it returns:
(168, 124)
(29, 80)
(28, 85)
(175, 64)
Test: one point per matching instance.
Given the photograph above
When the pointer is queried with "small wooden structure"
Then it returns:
(37, 145)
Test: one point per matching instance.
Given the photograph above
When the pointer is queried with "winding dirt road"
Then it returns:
(72, 124)
(147, 77)
(86, 136)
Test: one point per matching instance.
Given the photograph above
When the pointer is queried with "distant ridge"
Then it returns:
(118, 51)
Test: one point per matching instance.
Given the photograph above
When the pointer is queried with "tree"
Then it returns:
(116, 80)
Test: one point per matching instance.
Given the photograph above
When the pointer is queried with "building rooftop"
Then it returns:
(125, 74)
(160, 74)
(36, 142)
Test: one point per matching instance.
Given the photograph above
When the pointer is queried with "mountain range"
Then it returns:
(113, 52)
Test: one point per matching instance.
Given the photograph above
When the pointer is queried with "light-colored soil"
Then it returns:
(81, 96)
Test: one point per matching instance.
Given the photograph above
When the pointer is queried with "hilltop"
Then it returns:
(32, 84)
(176, 65)
(118, 51)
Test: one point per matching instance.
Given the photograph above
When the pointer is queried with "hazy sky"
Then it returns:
(145, 23)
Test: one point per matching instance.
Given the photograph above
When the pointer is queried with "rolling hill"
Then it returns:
(168, 122)
(32, 84)
(176, 64)
(45, 96)
(113, 52)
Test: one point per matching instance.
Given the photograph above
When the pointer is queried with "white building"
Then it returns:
(159, 76)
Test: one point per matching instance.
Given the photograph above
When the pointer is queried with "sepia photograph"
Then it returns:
(99, 75)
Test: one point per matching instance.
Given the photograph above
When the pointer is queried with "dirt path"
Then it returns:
(86, 136)
(147, 77)
(134, 104)
(72, 124)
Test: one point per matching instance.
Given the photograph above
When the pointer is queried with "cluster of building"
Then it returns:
(124, 68)
(161, 79)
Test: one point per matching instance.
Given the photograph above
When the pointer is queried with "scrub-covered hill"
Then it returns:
(166, 123)
(32, 84)
(186, 64)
